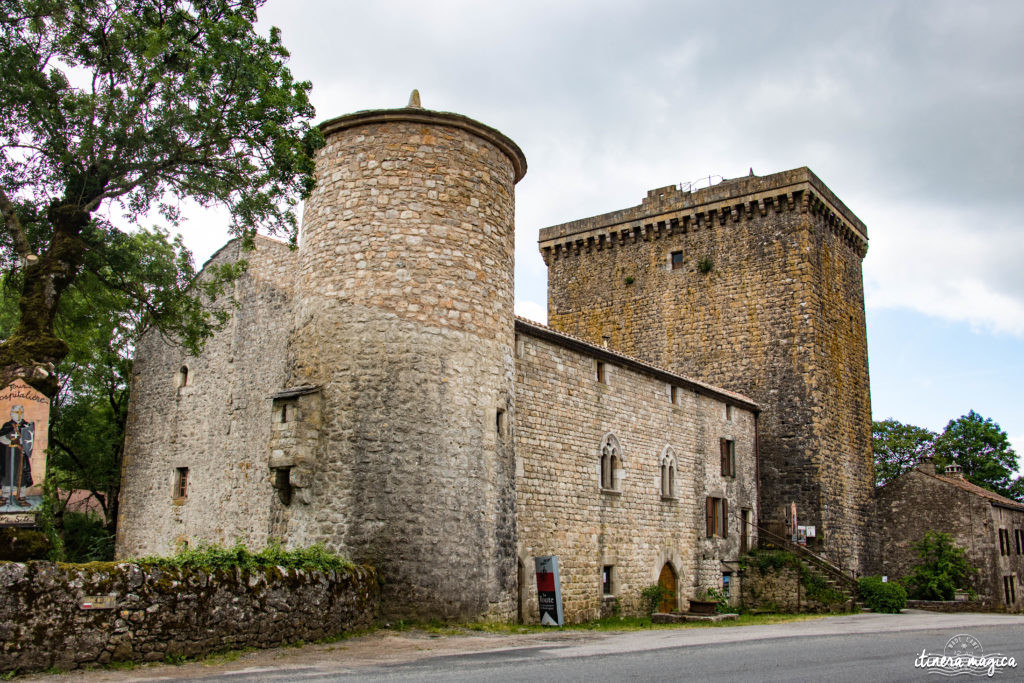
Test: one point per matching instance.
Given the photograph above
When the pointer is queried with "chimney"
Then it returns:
(925, 464)
(954, 470)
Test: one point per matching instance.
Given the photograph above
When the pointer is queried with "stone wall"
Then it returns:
(778, 590)
(215, 421)
(159, 613)
(767, 299)
(950, 606)
(920, 501)
(564, 415)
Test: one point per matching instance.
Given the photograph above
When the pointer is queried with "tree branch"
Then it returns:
(14, 226)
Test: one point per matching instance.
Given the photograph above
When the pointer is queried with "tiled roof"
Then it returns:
(965, 485)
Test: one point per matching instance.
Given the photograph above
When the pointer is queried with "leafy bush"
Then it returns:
(722, 605)
(214, 556)
(86, 539)
(653, 595)
(819, 589)
(943, 568)
(887, 597)
(765, 560)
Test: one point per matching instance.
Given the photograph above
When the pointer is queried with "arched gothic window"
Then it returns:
(668, 473)
(611, 463)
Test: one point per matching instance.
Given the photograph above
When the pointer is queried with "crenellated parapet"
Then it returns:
(668, 211)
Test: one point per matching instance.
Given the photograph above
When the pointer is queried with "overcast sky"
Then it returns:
(911, 112)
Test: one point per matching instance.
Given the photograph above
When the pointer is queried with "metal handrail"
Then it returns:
(814, 558)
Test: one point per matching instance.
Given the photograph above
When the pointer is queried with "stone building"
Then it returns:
(375, 392)
(752, 284)
(988, 526)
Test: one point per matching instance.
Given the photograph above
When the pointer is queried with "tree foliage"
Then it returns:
(101, 325)
(977, 444)
(941, 570)
(124, 107)
(982, 450)
(898, 447)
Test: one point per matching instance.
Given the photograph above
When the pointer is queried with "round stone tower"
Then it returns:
(405, 329)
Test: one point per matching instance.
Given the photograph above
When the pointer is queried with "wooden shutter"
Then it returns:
(725, 518)
(711, 516)
(723, 446)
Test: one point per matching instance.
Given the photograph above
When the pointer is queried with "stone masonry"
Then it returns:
(920, 500)
(375, 392)
(405, 323)
(50, 616)
(212, 419)
(563, 415)
(764, 296)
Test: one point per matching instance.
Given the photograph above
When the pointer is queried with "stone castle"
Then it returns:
(374, 390)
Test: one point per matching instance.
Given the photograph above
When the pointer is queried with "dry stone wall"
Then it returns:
(765, 298)
(159, 613)
(563, 416)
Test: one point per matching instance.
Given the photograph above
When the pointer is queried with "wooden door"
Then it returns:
(667, 580)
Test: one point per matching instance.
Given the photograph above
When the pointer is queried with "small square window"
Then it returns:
(677, 260)
(602, 373)
(607, 578)
(728, 412)
(499, 422)
(180, 482)
(677, 395)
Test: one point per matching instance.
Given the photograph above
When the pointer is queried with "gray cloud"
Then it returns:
(912, 112)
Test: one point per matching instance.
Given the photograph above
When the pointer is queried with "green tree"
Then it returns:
(942, 568)
(982, 450)
(101, 325)
(898, 447)
(121, 107)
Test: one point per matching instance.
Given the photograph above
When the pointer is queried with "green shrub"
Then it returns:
(818, 588)
(765, 560)
(942, 568)
(86, 539)
(22, 545)
(716, 596)
(887, 597)
(214, 556)
(653, 595)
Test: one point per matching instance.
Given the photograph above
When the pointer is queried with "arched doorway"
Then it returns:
(667, 580)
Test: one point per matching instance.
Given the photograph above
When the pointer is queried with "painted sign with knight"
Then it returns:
(22, 446)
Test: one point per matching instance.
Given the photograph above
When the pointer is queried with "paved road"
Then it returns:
(835, 649)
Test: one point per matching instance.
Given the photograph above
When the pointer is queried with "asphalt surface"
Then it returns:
(855, 647)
